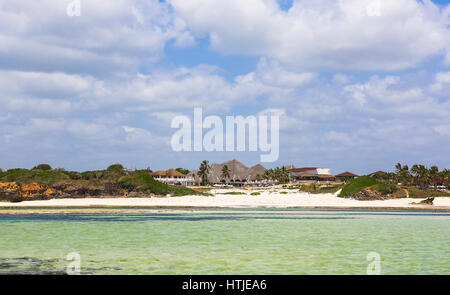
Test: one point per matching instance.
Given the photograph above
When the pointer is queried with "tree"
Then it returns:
(415, 172)
(445, 176)
(268, 174)
(281, 175)
(434, 173)
(225, 173)
(203, 171)
(44, 167)
(403, 174)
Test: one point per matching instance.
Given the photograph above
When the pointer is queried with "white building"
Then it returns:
(173, 177)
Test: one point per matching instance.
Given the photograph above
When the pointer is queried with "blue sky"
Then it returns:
(359, 84)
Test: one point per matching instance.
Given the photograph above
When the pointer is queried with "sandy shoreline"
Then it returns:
(220, 200)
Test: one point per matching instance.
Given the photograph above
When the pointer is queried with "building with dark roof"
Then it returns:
(346, 176)
(310, 174)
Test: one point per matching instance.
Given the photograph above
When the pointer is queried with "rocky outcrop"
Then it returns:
(14, 192)
(76, 190)
(10, 191)
(370, 195)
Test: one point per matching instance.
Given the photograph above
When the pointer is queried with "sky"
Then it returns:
(359, 85)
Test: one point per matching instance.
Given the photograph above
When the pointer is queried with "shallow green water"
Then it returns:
(244, 242)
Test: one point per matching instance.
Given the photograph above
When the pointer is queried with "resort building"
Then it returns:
(345, 176)
(311, 174)
(173, 177)
(239, 174)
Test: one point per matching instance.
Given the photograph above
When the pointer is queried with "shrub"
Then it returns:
(115, 168)
(43, 167)
(357, 185)
(146, 183)
(415, 192)
(255, 194)
(26, 176)
(386, 187)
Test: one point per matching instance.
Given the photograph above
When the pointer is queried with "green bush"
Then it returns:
(233, 193)
(115, 168)
(43, 167)
(415, 192)
(146, 183)
(255, 194)
(357, 185)
(386, 187)
(25, 176)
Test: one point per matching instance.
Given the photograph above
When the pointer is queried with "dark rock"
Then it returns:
(427, 201)
(370, 195)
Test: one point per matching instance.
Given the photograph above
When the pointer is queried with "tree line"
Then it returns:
(417, 175)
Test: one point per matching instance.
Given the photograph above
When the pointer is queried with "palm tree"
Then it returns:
(398, 168)
(433, 172)
(203, 171)
(445, 175)
(269, 174)
(282, 175)
(259, 177)
(415, 172)
(423, 176)
(403, 174)
(225, 173)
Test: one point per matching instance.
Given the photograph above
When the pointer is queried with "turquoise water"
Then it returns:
(227, 242)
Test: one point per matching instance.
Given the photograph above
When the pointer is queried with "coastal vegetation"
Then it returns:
(278, 174)
(417, 182)
(203, 172)
(356, 185)
(225, 175)
(43, 182)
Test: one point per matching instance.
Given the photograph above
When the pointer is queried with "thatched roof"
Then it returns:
(238, 172)
(346, 174)
(168, 173)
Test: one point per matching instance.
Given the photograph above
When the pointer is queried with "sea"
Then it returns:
(226, 241)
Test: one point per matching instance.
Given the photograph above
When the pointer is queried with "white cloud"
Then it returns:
(323, 34)
(107, 37)
(380, 90)
(441, 79)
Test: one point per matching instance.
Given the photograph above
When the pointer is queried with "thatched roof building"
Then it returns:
(239, 173)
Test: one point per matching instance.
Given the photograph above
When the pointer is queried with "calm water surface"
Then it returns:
(227, 242)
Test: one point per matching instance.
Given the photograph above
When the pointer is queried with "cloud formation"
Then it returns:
(335, 35)
(357, 84)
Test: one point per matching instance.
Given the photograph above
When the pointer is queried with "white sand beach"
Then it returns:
(266, 199)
